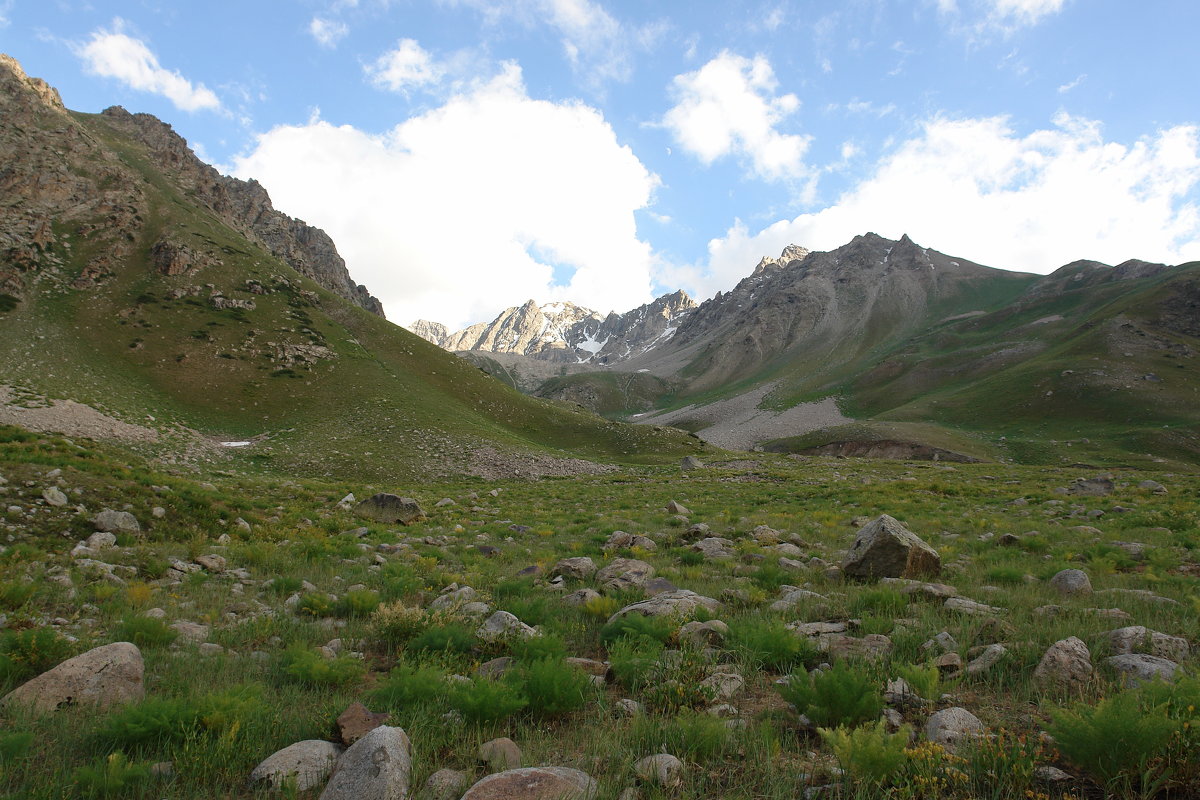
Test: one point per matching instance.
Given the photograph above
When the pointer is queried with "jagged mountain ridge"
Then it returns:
(566, 333)
(108, 196)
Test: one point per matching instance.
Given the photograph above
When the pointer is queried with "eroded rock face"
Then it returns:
(534, 783)
(102, 677)
(886, 549)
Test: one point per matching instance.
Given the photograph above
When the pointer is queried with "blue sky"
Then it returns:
(469, 155)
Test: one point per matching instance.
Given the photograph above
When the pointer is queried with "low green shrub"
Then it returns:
(676, 681)
(14, 745)
(635, 626)
(396, 623)
(145, 631)
(924, 680)
(111, 777)
(408, 685)
(451, 638)
(879, 602)
(770, 645)
(298, 664)
(26, 653)
(536, 648)
(770, 577)
(285, 585)
(316, 604)
(554, 687)
(14, 594)
(1006, 576)
(692, 736)
(633, 659)
(843, 695)
(359, 603)
(868, 754)
(155, 720)
(481, 700)
(1116, 741)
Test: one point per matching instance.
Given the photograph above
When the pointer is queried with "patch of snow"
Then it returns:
(554, 308)
(235, 444)
(591, 345)
(641, 370)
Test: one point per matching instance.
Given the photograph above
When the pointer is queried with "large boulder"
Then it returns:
(1067, 662)
(306, 764)
(886, 549)
(390, 509)
(376, 767)
(534, 783)
(950, 726)
(502, 626)
(679, 603)
(576, 568)
(102, 677)
(1139, 668)
(625, 573)
(116, 522)
(1139, 639)
(1071, 582)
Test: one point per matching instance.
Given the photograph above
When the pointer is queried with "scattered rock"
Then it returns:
(307, 763)
(1067, 662)
(356, 722)
(445, 784)
(723, 685)
(534, 783)
(1091, 487)
(500, 754)
(674, 507)
(991, 655)
(872, 647)
(116, 522)
(714, 548)
(689, 463)
(54, 496)
(495, 668)
(1071, 582)
(1152, 486)
(376, 767)
(625, 573)
(503, 625)
(192, 632)
(704, 634)
(663, 770)
(576, 568)
(1139, 668)
(680, 602)
(971, 608)
(886, 549)
(580, 597)
(1138, 639)
(950, 726)
(390, 509)
(212, 562)
(103, 676)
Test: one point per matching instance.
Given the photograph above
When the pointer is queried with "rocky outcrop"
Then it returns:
(432, 332)
(102, 677)
(886, 549)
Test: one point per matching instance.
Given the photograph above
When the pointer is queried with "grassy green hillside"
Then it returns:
(331, 388)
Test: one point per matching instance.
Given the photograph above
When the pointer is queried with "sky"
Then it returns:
(467, 155)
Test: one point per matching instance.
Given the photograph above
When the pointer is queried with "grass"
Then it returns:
(397, 657)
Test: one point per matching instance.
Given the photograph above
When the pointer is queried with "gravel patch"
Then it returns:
(70, 419)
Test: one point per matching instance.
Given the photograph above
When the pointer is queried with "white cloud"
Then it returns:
(454, 214)
(408, 65)
(113, 54)
(974, 188)
(5, 8)
(327, 32)
(980, 19)
(1023, 12)
(1066, 87)
(730, 107)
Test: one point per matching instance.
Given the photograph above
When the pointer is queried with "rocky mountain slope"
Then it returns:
(565, 333)
(138, 282)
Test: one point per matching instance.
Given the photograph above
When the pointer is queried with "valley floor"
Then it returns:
(264, 607)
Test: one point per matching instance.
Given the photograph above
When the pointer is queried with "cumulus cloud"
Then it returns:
(406, 66)
(484, 202)
(977, 189)
(327, 32)
(980, 18)
(114, 54)
(1023, 12)
(730, 107)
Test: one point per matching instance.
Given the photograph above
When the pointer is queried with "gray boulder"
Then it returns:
(625, 573)
(534, 783)
(663, 770)
(501, 626)
(500, 754)
(1139, 668)
(116, 522)
(1138, 639)
(390, 509)
(886, 549)
(445, 784)
(576, 568)
(1067, 662)
(307, 763)
(950, 726)
(102, 677)
(714, 548)
(680, 602)
(376, 767)
(1071, 582)
(54, 496)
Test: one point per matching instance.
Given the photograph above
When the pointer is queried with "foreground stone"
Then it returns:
(886, 549)
(663, 770)
(952, 725)
(534, 783)
(625, 573)
(1139, 668)
(357, 721)
(390, 509)
(1067, 662)
(102, 677)
(116, 522)
(1136, 638)
(501, 626)
(307, 763)
(445, 784)
(376, 767)
(680, 602)
(1071, 582)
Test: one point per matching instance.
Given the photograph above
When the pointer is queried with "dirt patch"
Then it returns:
(492, 464)
(67, 418)
(739, 424)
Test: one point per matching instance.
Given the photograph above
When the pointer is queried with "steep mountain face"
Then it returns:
(81, 181)
(565, 333)
(137, 282)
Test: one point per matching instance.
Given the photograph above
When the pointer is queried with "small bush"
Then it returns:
(13, 595)
(925, 681)
(146, 631)
(358, 603)
(555, 687)
(157, 720)
(601, 606)
(1114, 741)
(28, 652)
(879, 602)
(632, 660)
(1005, 576)
(444, 638)
(844, 695)
(675, 681)
(770, 645)
(636, 626)
(285, 585)
(14, 745)
(869, 753)
(690, 558)
(111, 777)
(770, 577)
(316, 604)
(537, 648)
(396, 623)
(482, 700)
(407, 686)
(301, 665)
